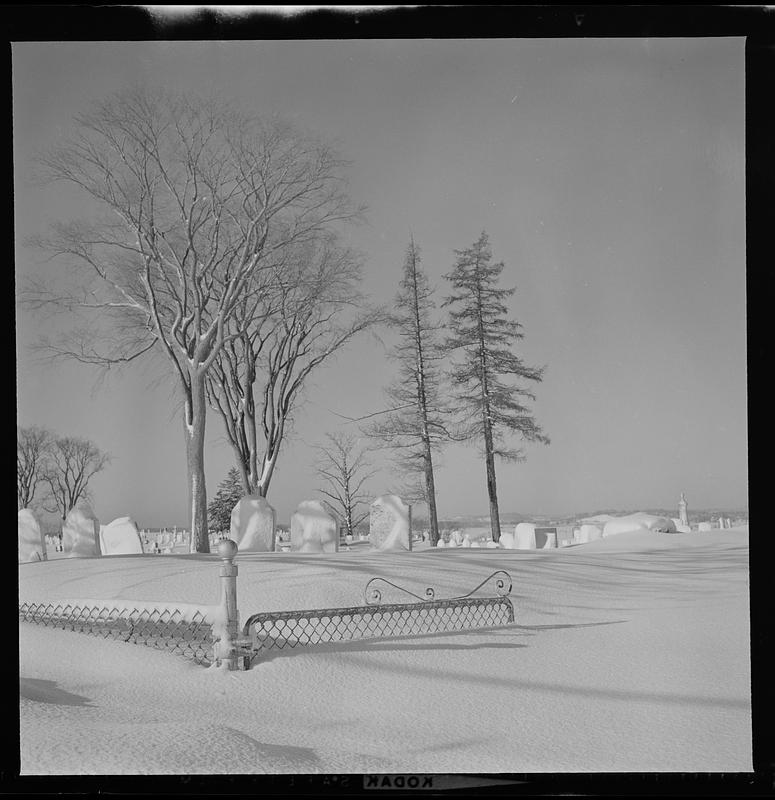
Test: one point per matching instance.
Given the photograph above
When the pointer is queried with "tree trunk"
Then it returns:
(430, 491)
(267, 470)
(194, 428)
(495, 522)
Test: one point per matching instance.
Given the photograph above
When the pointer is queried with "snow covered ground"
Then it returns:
(628, 654)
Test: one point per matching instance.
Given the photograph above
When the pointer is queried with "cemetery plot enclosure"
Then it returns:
(190, 631)
(190, 636)
(288, 629)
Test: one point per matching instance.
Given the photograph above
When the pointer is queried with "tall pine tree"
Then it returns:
(416, 427)
(488, 378)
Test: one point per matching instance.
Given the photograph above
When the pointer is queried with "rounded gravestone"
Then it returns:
(681, 528)
(525, 536)
(589, 533)
(390, 523)
(313, 529)
(253, 525)
(507, 540)
(120, 537)
(81, 532)
(32, 545)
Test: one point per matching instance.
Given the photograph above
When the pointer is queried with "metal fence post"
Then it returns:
(227, 550)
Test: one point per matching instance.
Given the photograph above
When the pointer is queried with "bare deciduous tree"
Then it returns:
(195, 205)
(33, 446)
(72, 463)
(305, 317)
(345, 469)
(483, 337)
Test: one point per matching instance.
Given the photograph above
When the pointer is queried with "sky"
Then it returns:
(609, 175)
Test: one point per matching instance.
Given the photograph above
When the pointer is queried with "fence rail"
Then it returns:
(162, 629)
(192, 633)
(287, 629)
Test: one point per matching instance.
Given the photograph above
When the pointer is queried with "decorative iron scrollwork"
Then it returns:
(501, 587)
(373, 595)
(502, 583)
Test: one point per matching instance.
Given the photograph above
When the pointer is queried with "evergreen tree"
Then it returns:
(415, 427)
(229, 493)
(491, 407)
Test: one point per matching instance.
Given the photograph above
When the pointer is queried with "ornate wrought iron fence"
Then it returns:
(288, 629)
(160, 628)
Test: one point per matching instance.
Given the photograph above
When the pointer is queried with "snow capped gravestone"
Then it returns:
(681, 528)
(507, 541)
(253, 525)
(313, 529)
(639, 521)
(587, 533)
(120, 537)
(550, 540)
(32, 545)
(81, 532)
(704, 526)
(525, 536)
(390, 523)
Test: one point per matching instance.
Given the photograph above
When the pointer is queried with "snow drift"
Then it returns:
(638, 521)
(621, 659)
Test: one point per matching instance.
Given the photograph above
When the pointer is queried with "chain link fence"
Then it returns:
(187, 635)
(190, 633)
(288, 629)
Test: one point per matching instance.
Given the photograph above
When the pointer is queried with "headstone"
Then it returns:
(313, 529)
(441, 543)
(81, 532)
(390, 523)
(681, 528)
(32, 545)
(466, 541)
(576, 536)
(588, 533)
(492, 545)
(704, 526)
(253, 525)
(507, 540)
(120, 537)
(638, 522)
(683, 512)
(546, 538)
(525, 536)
